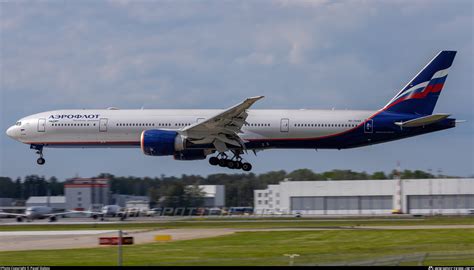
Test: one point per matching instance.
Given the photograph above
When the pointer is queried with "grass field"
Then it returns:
(249, 223)
(267, 248)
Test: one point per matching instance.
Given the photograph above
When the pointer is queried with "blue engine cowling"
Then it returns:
(192, 154)
(157, 142)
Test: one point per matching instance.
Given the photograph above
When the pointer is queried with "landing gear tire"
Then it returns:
(41, 161)
(223, 162)
(230, 164)
(234, 163)
(238, 165)
(246, 167)
(214, 161)
(39, 151)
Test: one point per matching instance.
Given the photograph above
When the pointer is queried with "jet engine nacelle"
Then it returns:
(158, 142)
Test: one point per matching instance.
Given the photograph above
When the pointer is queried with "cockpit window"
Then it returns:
(18, 123)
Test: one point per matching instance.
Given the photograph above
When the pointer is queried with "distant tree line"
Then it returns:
(172, 191)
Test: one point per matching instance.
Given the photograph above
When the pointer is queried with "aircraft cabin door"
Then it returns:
(285, 125)
(41, 125)
(369, 126)
(103, 125)
(199, 120)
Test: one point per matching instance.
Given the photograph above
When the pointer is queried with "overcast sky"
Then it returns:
(213, 54)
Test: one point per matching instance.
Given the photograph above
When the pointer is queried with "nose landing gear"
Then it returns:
(39, 151)
(233, 163)
(41, 161)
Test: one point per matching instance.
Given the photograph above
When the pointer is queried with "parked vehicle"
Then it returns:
(241, 210)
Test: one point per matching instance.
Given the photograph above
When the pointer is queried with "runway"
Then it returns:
(192, 219)
(49, 233)
(49, 240)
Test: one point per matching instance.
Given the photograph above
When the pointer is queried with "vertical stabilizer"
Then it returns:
(420, 95)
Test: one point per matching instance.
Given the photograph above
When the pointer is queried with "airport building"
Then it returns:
(6, 202)
(86, 193)
(123, 199)
(55, 202)
(214, 195)
(367, 197)
(139, 205)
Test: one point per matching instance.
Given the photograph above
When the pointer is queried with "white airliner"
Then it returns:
(195, 134)
(37, 212)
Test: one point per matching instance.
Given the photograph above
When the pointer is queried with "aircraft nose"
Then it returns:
(11, 132)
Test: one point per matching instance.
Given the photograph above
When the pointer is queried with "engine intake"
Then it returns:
(158, 142)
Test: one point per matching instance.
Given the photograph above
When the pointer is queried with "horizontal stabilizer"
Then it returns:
(423, 121)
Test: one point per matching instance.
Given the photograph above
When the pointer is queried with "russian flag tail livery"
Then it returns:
(419, 96)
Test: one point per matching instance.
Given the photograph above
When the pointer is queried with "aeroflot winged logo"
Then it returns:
(74, 116)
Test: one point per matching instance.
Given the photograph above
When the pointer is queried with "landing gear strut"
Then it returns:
(233, 163)
(39, 151)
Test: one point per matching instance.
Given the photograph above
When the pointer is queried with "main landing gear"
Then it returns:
(233, 163)
(39, 151)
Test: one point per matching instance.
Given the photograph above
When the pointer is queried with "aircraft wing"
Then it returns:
(96, 213)
(62, 213)
(222, 128)
(12, 214)
(423, 121)
(89, 212)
